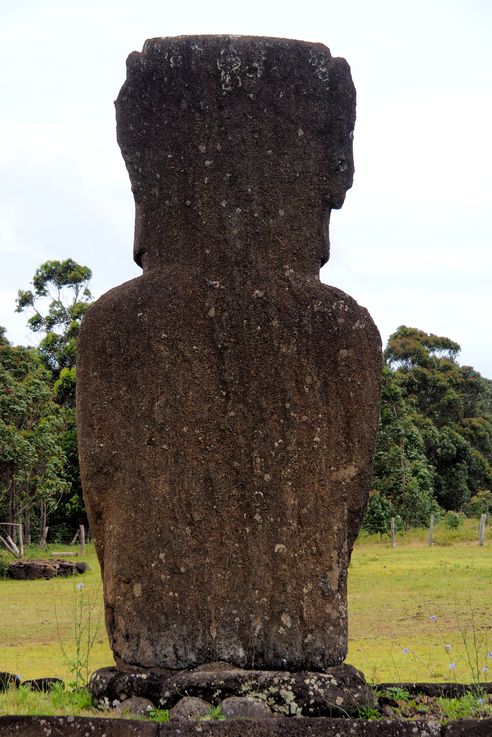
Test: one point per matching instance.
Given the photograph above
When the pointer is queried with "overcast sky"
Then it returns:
(413, 240)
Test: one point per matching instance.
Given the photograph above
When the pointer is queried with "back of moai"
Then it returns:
(227, 399)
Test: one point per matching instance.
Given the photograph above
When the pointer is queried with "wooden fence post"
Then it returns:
(481, 533)
(431, 531)
(82, 539)
(74, 538)
(393, 541)
(21, 541)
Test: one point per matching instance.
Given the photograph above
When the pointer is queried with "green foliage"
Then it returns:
(58, 299)
(56, 702)
(62, 288)
(4, 565)
(409, 347)
(378, 515)
(64, 387)
(453, 520)
(403, 477)
(215, 713)
(479, 504)
(32, 458)
(468, 706)
(434, 448)
(369, 712)
(397, 692)
(159, 715)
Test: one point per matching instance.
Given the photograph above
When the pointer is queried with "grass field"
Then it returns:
(422, 614)
(411, 611)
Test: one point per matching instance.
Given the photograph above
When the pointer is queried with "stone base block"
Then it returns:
(340, 691)
(17, 726)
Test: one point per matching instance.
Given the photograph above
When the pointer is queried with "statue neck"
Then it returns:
(230, 238)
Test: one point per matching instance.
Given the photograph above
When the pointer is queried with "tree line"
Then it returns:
(39, 474)
(434, 447)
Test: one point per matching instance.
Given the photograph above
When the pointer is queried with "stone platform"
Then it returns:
(340, 691)
(17, 726)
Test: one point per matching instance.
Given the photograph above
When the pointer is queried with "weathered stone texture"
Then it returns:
(468, 728)
(21, 726)
(340, 691)
(79, 727)
(227, 399)
(245, 707)
(190, 707)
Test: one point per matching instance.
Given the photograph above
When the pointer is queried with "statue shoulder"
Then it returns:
(348, 326)
(345, 312)
(108, 311)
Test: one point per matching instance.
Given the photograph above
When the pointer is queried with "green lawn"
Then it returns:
(36, 617)
(409, 604)
(411, 598)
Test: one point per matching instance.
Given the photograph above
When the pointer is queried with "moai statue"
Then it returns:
(227, 399)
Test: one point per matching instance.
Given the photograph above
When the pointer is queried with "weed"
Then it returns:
(369, 712)
(397, 693)
(215, 713)
(469, 706)
(158, 715)
(475, 646)
(86, 621)
(23, 695)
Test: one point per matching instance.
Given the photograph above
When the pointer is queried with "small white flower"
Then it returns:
(405, 651)
(80, 586)
(447, 648)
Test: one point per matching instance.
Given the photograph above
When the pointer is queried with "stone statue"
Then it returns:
(227, 399)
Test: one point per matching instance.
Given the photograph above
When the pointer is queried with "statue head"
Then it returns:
(240, 143)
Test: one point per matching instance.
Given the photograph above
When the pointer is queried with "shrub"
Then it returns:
(453, 520)
(479, 504)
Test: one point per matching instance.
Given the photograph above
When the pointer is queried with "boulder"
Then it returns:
(134, 705)
(190, 707)
(245, 707)
(8, 680)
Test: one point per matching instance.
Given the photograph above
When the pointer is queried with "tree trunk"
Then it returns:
(27, 527)
(11, 510)
(42, 524)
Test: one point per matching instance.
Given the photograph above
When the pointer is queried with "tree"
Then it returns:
(64, 284)
(410, 347)
(434, 447)
(62, 289)
(32, 457)
(403, 478)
